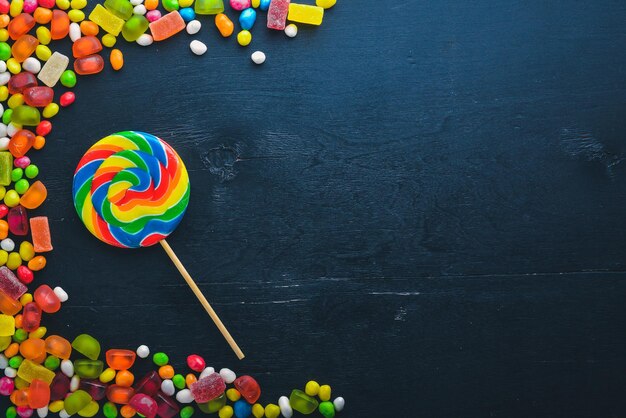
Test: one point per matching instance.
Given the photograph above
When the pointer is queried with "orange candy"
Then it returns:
(166, 372)
(119, 359)
(127, 411)
(60, 26)
(18, 321)
(58, 347)
(224, 25)
(124, 378)
(89, 28)
(8, 305)
(190, 379)
(42, 15)
(151, 4)
(33, 348)
(38, 394)
(89, 65)
(24, 48)
(4, 21)
(20, 25)
(40, 141)
(119, 394)
(40, 232)
(23, 139)
(4, 229)
(34, 196)
(12, 349)
(167, 26)
(87, 45)
(116, 59)
(37, 263)
(19, 397)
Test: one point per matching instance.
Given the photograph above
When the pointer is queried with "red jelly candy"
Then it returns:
(47, 300)
(44, 128)
(89, 65)
(40, 96)
(144, 405)
(167, 407)
(85, 46)
(4, 210)
(59, 387)
(31, 317)
(248, 387)
(21, 81)
(18, 220)
(150, 384)
(25, 274)
(4, 7)
(67, 99)
(196, 363)
(208, 388)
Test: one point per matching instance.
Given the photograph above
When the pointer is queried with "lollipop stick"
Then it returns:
(202, 299)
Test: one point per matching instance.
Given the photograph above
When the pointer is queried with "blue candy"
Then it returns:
(242, 409)
(247, 18)
(187, 14)
(265, 4)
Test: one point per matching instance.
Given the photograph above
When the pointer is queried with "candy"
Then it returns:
(39, 96)
(106, 20)
(244, 38)
(75, 33)
(283, 403)
(92, 64)
(302, 402)
(38, 394)
(304, 13)
(197, 47)
(6, 164)
(247, 18)
(143, 351)
(25, 115)
(77, 401)
(120, 8)
(18, 221)
(324, 393)
(87, 346)
(258, 57)
(20, 25)
(194, 27)
(149, 384)
(96, 390)
(59, 386)
(196, 363)
(31, 317)
(68, 78)
(31, 65)
(118, 359)
(208, 388)
(187, 14)
(89, 369)
(291, 30)
(7, 325)
(35, 195)
(208, 7)
(135, 27)
(185, 396)
(277, 14)
(119, 394)
(312, 388)
(24, 47)
(85, 46)
(47, 300)
(8, 305)
(40, 232)
(167, 26)
(67, 99)
(33, 348)
(53, 69)
(248, 387)
(144, 405)
(327, 409)
(242, 409)
(167, 408)
(10, 285)
(58, 346)
(224, 25)
(60, 26)
(30, 371)
(272, 411)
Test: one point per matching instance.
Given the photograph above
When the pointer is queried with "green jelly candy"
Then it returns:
(87, 345)
(186, 412)
(120, 8)
(76, 401)
(20, 335)
(134, 28)
(21, 186)
(16, 361)
(171, 5)
(52, 363)
(6, 167)
(5, 51)
(68, 78)
(302, 402)
(109, 410)
(31, 171)
(6, 116)
(26, 115)
(11, 412)
(88, 369)
(179, 381)
(327, 409)
(208, 7)
(160, 359)
(16, 174)
(213, 405)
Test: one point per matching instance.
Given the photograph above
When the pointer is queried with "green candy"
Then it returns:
(6, 166)
(21, 186)
(120, 8)
(134, 28)
(26, 115)
(208, 7)
(20, 335)
(213, 405)
(302, 402)
(11, 412)
(5, 51)
(6, 116)
(179, 381)
(160, 359)
(68, 79)
(171, 5)
(88, 369)
(31, 171)
(52, 363)
(327, 409)
(87, 345)
(16, 361)
(76, 401)
(186, 412)
(16, 174)
(109, 410)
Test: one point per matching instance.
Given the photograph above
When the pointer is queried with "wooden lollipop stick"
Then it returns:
(202, 299)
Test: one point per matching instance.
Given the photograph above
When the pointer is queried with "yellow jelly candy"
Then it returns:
(15, 101)
(43, 52)
(326, 4)
(304, 13)
(90, 410)
(5, 342)
(26, 297)
(50, 111)
(7, 325)
(29, 371)
(76, 15)
(257, 410)
(324, 393)
(56, 406)
(244, 38)
(106, 20)
(109, 40)
(272, 411)
(78, 4)
(20, 383)
(312, 388)
(43, 35)
(107, 375)
(226, 412)
(233, 395)
(14, 260)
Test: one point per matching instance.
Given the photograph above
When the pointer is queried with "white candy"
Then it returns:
(10, 372)
(184, 396)
(193, 27)
(4, 362)
(140, 9)
(32, 65)
(4, 143)
(74, 383)
(3, 66)
(228, 375)
(143, 40)
(63, 414)
(3, 127)
(67, 367)
(285, 407)
(12, 129)
(258, 57)
(7, 244)
(291, 30)
(136, 2)
(207, 371)
(197, 47)
(61, 294)
(42, 412)
(167, 387)
(339, 403)
(143, 351)
(75, 34)
(4, 77)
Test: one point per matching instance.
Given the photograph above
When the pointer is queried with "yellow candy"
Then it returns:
(29, 371)
(272, 411)
(256, 3)
(185, 3)
(16, 7)
(304, 13)
(14, 260)
(76, 15)
(106, 20)
(109, 40)
(26, 297)
(15, 101)
(244, 38)
(4, 35)
(14, 66)
(312, 388)
(43, 52)
(78, 4)
(50, 110)
(63, 4)
(233, 395)
(107, 375)
(38, 333)
(326, 4)
(27, 251)
(324, 393)
(7, 325)
(56, 406)
(43, 35)
(5, 342)
(20, 383)
(90, 410)
(226, 412)
(4, 256)
(257, 410)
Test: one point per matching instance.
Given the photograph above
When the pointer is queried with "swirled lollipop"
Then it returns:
(131, 190)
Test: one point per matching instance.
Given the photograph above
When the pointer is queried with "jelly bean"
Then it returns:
(264, 5)
(226, 412)
(78, 4)
(170, 5)
(247, 18)
(92, 64)
(119, 359)
(145, 40)
(224, 25)
(143, 351)
(43, 35)
(272, 411)
(312, 388)
(40, 141)
(22, 162)
(167, 387)
(42, 15)
(25, 274)
(185, 396)
(6, 386)
(107, 375)
(166, 372)
(76, 15)
(187, 14)
(152, 15)
(244, 38)
(242, 409)
(160, 359)
(32, 65)
(228, 375)
(194, 27)
(11, 198)
(47, 300)
(63, 4)
(255, 3)
(75, 33)
(140, 10)
(258, 57)
(285, 407)
(52, 363)
(233, 395)
(43, 53)
(109, 410)
(326, 4)
(68, 78)
(109, 40)
(291, 30)
(37, 263)
(197, 47)
(240, 4)
(324, 393)
(67, 98)
(135, 27)
(88, 28)
(190, 379)
(4, 210)
(196, 363)
(151, 4)
(29, 6)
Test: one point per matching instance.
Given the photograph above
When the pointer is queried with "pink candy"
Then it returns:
(6, 386)
(22, 162)
(208, 388)
(29, 6)
(277, 14)
(153, 15)
(24, 411)
(240, 4)
(144, 405)
(196, 363)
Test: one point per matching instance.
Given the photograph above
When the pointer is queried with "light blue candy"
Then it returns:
(247, 18)
(187, 14)
(242, 409)
(265, 4)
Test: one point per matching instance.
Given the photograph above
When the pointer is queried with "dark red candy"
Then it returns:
(18, 220)
(167, 407)
(25, 274)
(31, 317)
(196, 363)
(4, 210)
(248, 387)
(21, 81)
(150, 384)
(59, 387)
(40, 96)
(67, 99)
(144, 405)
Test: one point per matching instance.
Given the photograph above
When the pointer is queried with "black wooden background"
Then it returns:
(420, 203)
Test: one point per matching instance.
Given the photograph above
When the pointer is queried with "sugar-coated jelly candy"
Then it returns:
(302, 402)
(208, 7)
(76, 401)
(120, 8)
(149, 384)
(7, 326)
(21, 142)
(167, 26)
(119, 359)
(167, 407)
(60, 26)
(144, 405)
(40, 232)
(10, 284)
(120, 395)
(87, 346)
(95, 388)
(88, 369)
(24, 47)
(277, 14)
(40, 96)
(92, 64)
(33, 348)
(47, 300)
(305, 13)
(59, 387)
(30, 371)
(85, 46)
(21, 81)
(34, 196)
(58, 347)
(208, 388)
(31, 317)
(38, 394)
(51, 71)
(106, 20)
(18, 220)
(248, 387)
(6, 167)
(224, 25)
(8, 305)
(20, 25)
(25, 115)
(135, 27)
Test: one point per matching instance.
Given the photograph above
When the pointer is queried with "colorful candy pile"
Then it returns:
(39, 374)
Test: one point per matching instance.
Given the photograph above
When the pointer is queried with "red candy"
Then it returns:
(44, 128)
(4, 7)
(25, 274)
(196, 363)
(59, 387)
(168, 408)
(47, 300)
(150, 384)
(18, 220)
(31, 317)
(48, 4)
(4, 209)
(208, 388)
(40, 96)
(67, 99)
(144, 405)
(21, 81)
(248, 387)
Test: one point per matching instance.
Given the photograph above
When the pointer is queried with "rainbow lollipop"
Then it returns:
(131, 190)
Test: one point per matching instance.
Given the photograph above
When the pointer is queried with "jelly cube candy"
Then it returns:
(7, 325)
(31, 317)
(25, 115)
(24, 47)
(88, 369)
(87, 346)
(305, 13)
(208, 7)
(149, 384)
(96, 389)
(60, 26)
(144, 405)
(277, 14)
(40, 232)
(302, 402)
(39, 96)
(59, 387)
(20, 25)
(76, 401)
(167, 407)
(58, 347)
(10, 285)
(213, 405)
(34, 196)
(167, 26)
(38, 394)
(92, 64)
(135, 27)
(106, 20)
(248, 387)
(120, 394)
(18, 220)
(47, 300)
(6, 166)
(21, 81)
(208, 388)
(33, 348)
(120, 8)
(22, 140)
(119, 359)
(30, 371)
(8, 305)
(53, 68)
(85, 46)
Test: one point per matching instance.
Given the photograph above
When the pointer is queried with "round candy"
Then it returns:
(131, 189)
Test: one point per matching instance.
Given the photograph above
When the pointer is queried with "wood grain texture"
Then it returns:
(420, 203)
